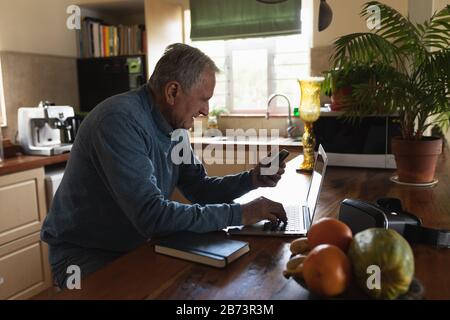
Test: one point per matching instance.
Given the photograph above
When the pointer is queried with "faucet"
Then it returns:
(290, 129)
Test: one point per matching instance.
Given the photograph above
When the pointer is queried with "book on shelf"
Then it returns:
(99, 39)
(212, 249)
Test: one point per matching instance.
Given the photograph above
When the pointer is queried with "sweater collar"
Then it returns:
(160, 122)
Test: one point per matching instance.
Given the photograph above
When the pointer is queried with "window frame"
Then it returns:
(3, 120)
(250, 44)
(275, 109)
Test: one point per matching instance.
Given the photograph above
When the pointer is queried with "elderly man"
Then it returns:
(115, 192)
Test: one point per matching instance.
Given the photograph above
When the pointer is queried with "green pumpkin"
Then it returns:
(388, 250)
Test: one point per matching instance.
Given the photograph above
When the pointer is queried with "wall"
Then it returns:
(420, 11)
(164, 24)
(36, 26)
(38, 56)
(440, 4)
(31, 78)
(346, 19)
(39, 28)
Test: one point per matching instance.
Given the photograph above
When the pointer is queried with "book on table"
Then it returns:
(212, 249)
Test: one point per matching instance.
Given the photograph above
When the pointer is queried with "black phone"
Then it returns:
(282, 155)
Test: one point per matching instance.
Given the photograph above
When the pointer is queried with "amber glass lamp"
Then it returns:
(310, 89)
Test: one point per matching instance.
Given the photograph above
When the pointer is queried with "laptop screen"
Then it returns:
(316, 182)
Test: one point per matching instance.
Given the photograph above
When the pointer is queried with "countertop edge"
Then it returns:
(27, 162)
(247, 143)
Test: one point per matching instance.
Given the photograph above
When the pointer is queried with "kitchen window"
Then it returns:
(254, 68)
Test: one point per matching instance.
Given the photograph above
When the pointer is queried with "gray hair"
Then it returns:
(181, 63)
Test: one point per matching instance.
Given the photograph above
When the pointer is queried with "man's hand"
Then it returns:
(262, 209)
(262, 180)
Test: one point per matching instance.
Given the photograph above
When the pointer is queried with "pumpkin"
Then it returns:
(386, 252)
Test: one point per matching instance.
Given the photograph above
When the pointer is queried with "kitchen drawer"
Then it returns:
(224, 166)
(24, 268)
(220, 170)
(23, 208)
(291, 156)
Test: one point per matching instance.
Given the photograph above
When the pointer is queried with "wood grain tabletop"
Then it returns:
(143, 274)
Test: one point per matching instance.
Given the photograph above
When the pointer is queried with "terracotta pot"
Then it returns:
(338, 98)
(416, 160)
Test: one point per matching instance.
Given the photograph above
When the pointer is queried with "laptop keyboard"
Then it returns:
(294, 223)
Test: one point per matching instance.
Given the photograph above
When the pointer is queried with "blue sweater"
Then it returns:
(115, 191)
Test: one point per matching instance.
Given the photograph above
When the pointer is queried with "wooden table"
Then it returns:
(142, 274)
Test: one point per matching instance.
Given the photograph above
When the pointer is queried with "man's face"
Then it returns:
(190, 104)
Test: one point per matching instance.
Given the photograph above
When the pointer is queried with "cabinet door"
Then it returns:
(23, 208)
(179, 197)
(216, 170)
(217, 167)
(225, 161)
(292, 154)
(24, 270)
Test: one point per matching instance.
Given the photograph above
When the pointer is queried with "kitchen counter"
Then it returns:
(26, 162)
(247, 141)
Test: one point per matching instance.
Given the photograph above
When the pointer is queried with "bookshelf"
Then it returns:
(112, 49)
(163, 20)
(112, 28)
(98, 38)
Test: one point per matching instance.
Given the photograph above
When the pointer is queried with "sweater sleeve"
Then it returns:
(198, 187)
(121, 157)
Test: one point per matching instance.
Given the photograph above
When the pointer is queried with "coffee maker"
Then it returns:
(45, 129)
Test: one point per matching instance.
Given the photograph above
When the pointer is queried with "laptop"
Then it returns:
(300, 216)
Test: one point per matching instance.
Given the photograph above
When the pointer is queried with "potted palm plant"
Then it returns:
(409, 68)
(339, 82)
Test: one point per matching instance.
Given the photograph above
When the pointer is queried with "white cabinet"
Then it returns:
(24, 267)
(24, 270)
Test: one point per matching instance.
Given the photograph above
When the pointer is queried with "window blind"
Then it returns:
(232, 19)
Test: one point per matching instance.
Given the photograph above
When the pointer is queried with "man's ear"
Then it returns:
(171, 91)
